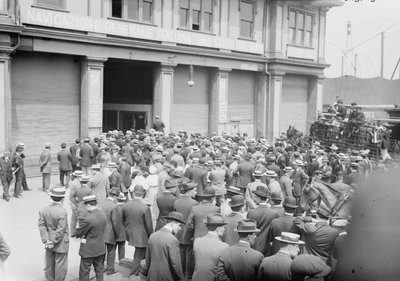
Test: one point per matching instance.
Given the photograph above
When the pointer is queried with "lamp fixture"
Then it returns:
(191, 81)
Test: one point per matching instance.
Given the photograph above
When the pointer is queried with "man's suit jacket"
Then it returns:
(125, 171)
(116, 181)
(217, 178)
(107, 206)
(312, 167)
(286, 185)
(100, 185)
(117, 220)
(276, 268)
(230, 236)
(18, 162)
(207, 250)
(245, 170)
(73, 149)
(165, 204)
(184, 205)
(86, 153)
(300, 179)
(279, 225)
(163, 260)
(319, 237)
(45, 161)
(238, 262)
(6, 168)
(199, 176)
(92, 229)
(53, 226)
(195, 224)
(65, 159)
(127, 152)
(137, 221)
(263, 217)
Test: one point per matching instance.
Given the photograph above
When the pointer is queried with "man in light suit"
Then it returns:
(208, 249)
(138, 224)
(99, 183)
(45, 166)
(163, 261)
(240, 262)
(53, 227)
(286, 182)
(217, 178)
(93, 247)
(197, 174)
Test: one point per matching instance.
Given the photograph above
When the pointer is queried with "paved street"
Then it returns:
(18, 224)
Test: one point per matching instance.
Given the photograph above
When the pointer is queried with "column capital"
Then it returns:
(318, 77)
(95, 61)
(276, 72)
(168, 66)
(5, 52)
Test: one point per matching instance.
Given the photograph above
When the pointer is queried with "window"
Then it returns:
(58, 4)
(247, 11)
(196, 14)
(300, 28)
(140, 10)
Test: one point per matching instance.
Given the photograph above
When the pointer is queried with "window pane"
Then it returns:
(300, 21)
(292, 38)
(116, 8)
(207, 6)
(292, 19)
(196, 20)
(207, 21)
(246, 11)
(195, 4)
(300, 37)
(245, 29)
(184, 4)
(133, 9)
(147, 10)
(183, 17)
(308, 39)
(308, 22)
(53, 3)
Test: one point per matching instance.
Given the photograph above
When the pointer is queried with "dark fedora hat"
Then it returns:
(261, 191)
(170, 183)
(175, 216)
(189, 185)
(289, 202)
(237, 200)
(214, 219)
(208, 191)
(247, 226)
(276, 196)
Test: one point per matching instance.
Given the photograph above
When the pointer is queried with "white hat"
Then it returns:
(289, 237)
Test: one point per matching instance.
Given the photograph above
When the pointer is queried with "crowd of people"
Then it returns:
(194, 207)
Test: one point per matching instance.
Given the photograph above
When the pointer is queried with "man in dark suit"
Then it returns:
(65, 165)
(245, 171)
(184, 205)
(282, 224)
(73, 149)
(91, 232)
(117, 219)
(158, 125)
(277, 267)
(237, 214)
(138, 225)
(165, 201)
(300, 179)
(86, 153)
(163, 261)
(6, 174)
(53, 227)
(263, 216)
(197, 174)
(115, 178)
(18, 170)
(45, 166)
(107, 205)
(125, 171)
(240, 262)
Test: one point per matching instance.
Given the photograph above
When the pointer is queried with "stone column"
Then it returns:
(274, 100)
(163, 93)
(315, 98)
(218, 113)
(92, 70)
(275, 30)
(261, 105)
(5, 100)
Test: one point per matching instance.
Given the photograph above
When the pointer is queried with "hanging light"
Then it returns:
(191, 81)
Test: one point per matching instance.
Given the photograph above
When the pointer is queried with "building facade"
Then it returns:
(72, 68)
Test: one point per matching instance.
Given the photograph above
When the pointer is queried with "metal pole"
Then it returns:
(355, 65)
(382, 51)
(394, 71)
(342, 65)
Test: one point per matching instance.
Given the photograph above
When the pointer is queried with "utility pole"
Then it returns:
(355, 65)
(342, 65)
(346, 52)
(382, 51)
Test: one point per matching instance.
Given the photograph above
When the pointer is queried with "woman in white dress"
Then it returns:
(151, 195)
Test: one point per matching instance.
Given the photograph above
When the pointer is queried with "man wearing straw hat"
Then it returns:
(53, 227)
(240, 262)
(277, 267)
(45, 166)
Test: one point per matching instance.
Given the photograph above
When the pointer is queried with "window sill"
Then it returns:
(132, 21)
(196, 31)
(301, 46)
(50, 8)
(247, 39)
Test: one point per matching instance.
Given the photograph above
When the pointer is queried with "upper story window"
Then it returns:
(300, 28)
(140, 10)
(196, 14)
(58, 4)
(247, 15)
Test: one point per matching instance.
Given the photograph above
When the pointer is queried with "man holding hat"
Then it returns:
(45, 166)
(217, 177)
(53, 227)
(163, 261)
(240, 262)
(208, 248)
(91, 231)
(138, 225)
(6, 174)
(263, 216)
(64, 158)
(277, 267)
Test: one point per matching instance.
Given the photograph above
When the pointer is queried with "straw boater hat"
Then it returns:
(112, 165)
(258, 173)
(84, 178)
(96, 167)
(271, 174)
(47, 145)
(77, 173)
(234, 190)
(246, 226)
(288, 169)
(214, 219)
(57, 192)
(175, 216)
(121, 197)
(289, 237)
(89, 198)
(298, 162)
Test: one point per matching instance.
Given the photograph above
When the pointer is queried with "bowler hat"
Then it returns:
(276, 196)
(261, 191)
(189, 185)
(289, 202)
(175, 216)
(208, 191)
(246, 226)
(170, 183)
(89, 198)
(289, 237)
(214, 219)
(237, 200)
(114, 191)
(57, 192)
(309, 265)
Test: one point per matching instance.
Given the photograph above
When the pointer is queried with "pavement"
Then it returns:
(19, 227)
